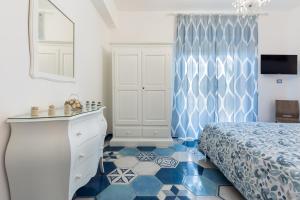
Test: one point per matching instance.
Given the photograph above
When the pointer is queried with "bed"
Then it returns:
(262, 160)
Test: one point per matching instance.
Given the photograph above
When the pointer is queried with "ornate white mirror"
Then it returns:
(51, 42)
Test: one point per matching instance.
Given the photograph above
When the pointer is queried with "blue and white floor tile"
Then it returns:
(164, 151)
(115, 192)
(126, 162)
(190, 169)
(121, 176)
(110, 156)
(146, 156)
(170, 176)
(200, 186)
(146, 168)
(148, 173)
(175, 192)
(129, 151)
(146, 185)
(113, 149)
(188, 156)
(191, 144)
(179, 148)
(166, 162)
(149, 149)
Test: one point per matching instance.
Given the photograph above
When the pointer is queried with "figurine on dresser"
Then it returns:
(53, 153)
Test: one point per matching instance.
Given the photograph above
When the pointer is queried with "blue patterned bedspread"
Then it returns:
(262, 160)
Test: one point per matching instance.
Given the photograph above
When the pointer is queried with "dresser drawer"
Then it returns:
(87, 150)
(128, 131)
(83, 130)
(156, 132)
(83, 173)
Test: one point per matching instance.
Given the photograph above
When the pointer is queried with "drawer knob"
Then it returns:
(79, 134)
(78, 177)
(81, 156)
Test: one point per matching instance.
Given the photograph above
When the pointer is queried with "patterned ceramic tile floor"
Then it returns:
(179, 172)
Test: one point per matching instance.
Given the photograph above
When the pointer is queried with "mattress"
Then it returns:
(262, 160)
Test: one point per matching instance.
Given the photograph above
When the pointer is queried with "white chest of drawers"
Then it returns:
(50, 158)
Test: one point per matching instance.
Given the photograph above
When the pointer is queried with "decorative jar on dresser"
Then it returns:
(49, 158)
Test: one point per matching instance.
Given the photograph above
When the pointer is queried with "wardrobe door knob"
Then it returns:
(79, 134)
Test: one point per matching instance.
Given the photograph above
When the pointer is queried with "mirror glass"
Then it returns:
(54, 41)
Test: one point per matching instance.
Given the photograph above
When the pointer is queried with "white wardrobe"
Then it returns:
(141, 95)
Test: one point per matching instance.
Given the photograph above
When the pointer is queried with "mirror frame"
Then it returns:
(33, 38)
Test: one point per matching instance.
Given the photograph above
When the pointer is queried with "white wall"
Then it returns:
(144, 27)
(278, 33)
(19, 91)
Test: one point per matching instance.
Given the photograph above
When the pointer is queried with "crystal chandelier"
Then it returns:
(249, 6)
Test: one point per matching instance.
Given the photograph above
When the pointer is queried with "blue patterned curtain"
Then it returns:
(215, 72)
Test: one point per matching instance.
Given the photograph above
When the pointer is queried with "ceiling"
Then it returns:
(194, 5)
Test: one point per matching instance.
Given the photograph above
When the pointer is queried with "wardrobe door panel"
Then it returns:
(156, 107)
(128, 107)
(154, 75)
(127, 87)
(155, 81)
(128, 71)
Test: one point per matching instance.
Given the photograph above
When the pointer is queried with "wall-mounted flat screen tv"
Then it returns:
(279, 64)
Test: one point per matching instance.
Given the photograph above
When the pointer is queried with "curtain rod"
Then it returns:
(215, 13)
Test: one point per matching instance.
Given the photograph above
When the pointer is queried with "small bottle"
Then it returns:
(99, 105)
(87, 105)
(93, 106)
